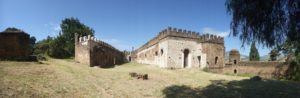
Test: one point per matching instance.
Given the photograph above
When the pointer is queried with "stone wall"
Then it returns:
(234, 57)
(14, 45)
(93, 52)
(182, 33)
(173, 42)
(215, 54)
(196, 58)
(252, 68)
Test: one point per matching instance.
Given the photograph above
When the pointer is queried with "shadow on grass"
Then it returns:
(237, 89)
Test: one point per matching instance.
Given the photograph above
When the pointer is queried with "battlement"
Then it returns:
(174, 32)
(183, 33)
(84, 40)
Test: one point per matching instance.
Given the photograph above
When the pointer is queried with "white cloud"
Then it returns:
(216, 32)
(53, 28)
(57, 28)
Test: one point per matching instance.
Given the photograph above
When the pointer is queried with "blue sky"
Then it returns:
(122, 23)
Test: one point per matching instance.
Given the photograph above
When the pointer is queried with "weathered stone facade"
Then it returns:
(234, 57)
(14, 45)
(267, 69)
(177, 48)
(93, 52)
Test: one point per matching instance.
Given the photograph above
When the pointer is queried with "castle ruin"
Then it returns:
(234, 56)
(93, 52)
(14, 45)
(178, 48)
(267, 69)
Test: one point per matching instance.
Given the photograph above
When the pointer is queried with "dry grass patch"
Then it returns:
(65, 78)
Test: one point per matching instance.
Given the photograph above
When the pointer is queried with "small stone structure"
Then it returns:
(234, 56)
(93, 52)
(14, 45)
(178, 48)
(265, 69)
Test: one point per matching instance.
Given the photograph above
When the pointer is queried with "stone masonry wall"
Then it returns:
(174, 41)
(93, 52)
(14, 45)
(215, 54)
(196, 58)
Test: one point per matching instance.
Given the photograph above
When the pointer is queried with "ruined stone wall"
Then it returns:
(154, 55)
(103, 54)
(14, 45)
(234, 57)
(265, 69)
(195, 57)
(173, 41)
(82, 52)
(94, 52)
(181, 33)
(215, 54)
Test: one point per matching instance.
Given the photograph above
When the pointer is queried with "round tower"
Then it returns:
(234, 57)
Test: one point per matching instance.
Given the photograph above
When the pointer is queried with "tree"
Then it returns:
(11, 29)
(32, 43)
(268, 22)
(274, 53)
(63, 45)
(42, 47)
(69, 27)
(253, 55)
(57, 48)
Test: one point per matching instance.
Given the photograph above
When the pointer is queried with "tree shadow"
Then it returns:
(237, 89)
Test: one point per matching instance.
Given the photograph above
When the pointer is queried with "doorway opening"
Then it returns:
(129, 58)
(185, 58)
(199, 60)
(216, 60)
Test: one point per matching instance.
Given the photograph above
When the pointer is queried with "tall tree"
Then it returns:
(57, 47)
(69, 27)
(42, 47)
(268, 22)
(253, 55)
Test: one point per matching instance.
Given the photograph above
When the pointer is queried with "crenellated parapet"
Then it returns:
(84, 40)
(183, 33)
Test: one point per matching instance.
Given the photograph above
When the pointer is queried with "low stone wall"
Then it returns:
(251, 68)
(260, 63)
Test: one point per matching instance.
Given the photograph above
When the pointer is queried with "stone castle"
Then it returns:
(93, 52)
(178, 48)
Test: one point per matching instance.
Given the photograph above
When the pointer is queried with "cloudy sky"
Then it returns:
(122, 23)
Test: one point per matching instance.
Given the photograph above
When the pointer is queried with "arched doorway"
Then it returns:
(186, 58)
(129, 58)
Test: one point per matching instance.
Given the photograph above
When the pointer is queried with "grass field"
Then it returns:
(65, 78)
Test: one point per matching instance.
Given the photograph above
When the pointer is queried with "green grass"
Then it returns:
(65, 78)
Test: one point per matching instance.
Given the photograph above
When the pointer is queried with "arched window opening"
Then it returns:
(216, 60)
(234, 61)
